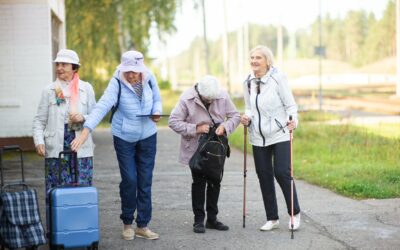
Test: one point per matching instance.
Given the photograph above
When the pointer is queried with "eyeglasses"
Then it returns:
(280, 125)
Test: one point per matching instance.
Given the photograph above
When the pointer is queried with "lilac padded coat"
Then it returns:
(190, 111)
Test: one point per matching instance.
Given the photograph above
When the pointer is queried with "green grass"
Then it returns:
(388, 130)
(313, 116)
(353, 161)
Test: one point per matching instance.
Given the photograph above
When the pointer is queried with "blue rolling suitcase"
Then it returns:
(73, 214)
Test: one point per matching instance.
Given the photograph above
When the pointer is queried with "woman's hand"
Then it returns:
(76, 118)
(245, 120)
(291, 124)
(220, 130)
(202, 128)
(77, 142)
(156, 117)
(40, 150)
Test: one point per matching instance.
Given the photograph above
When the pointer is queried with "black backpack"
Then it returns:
(209, 158)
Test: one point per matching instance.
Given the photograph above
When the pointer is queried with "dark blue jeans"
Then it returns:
(274, 161)
(136, 164)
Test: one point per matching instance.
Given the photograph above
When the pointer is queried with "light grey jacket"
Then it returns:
(190, 111)
(269, 108)
(48, 124)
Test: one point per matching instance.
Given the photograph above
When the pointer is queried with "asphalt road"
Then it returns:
(329, 221)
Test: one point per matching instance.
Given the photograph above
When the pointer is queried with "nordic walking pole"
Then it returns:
(244, 173)
(291, 178)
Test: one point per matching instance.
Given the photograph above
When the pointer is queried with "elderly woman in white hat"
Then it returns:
(63, 108)
(190, 118)
(134, 91)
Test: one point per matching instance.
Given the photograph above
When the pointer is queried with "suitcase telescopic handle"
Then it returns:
(8, 148)
(74, 164)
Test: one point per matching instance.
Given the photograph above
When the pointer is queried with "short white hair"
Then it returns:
(208, 87)
(267, 52)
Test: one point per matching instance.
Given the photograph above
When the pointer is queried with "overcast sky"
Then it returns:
(293, 14)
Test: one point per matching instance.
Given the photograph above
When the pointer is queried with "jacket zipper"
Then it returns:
(259, 118)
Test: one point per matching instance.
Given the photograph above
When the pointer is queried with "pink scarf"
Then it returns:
(74, 90)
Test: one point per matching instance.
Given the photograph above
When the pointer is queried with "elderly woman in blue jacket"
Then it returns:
(269, 104)
(135, 138)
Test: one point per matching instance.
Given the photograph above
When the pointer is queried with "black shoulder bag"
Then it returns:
(209, 158)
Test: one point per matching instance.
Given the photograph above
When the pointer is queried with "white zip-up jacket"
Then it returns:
(48, 124)
(269, 103)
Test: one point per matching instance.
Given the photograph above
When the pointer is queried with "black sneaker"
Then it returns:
(199, 228)
(217, 225)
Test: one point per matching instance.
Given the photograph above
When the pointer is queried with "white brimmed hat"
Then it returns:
(67, 56)
(132, 61)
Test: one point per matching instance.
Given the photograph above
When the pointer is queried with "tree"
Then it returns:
(100, 30)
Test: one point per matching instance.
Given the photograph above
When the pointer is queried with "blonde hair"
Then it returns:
(269, 56)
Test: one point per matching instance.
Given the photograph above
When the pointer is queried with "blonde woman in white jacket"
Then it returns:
(269, 103)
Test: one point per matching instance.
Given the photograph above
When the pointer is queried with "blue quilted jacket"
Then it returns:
(125, 124)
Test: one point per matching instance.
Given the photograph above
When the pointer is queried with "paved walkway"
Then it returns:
(329, 221)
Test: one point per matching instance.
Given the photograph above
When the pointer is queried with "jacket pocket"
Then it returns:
(49, 133)
(131, 127)
(83, 98)
(49, 140)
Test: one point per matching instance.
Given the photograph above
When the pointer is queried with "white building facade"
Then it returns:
(31, 33)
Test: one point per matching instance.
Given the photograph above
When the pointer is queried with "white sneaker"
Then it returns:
(296, 222)
(271, 224)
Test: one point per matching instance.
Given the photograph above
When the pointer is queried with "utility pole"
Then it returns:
(279, 50)
(320, 56)
(225, 50)
(205, 38)
(398, 47)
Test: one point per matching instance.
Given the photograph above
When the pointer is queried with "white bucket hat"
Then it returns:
(67, 56)
(132, 61)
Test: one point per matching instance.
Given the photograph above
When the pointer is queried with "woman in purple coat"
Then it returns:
(190, 119)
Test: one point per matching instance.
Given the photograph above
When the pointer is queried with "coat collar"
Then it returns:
(265, 77)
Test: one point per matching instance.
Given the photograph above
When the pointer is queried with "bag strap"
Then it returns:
(195, 87)
(115, 107)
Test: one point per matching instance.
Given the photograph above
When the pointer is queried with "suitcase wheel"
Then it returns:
(54, 247)
(94, 246)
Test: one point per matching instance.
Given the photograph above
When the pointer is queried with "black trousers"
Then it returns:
(274, 161)
(199, 197)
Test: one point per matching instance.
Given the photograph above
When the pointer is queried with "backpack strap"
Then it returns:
(115, 107)
(150, 84)
(248, 83)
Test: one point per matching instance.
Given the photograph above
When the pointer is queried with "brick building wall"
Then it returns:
(25, 62)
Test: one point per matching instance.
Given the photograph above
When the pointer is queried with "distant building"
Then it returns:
(31, 33)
